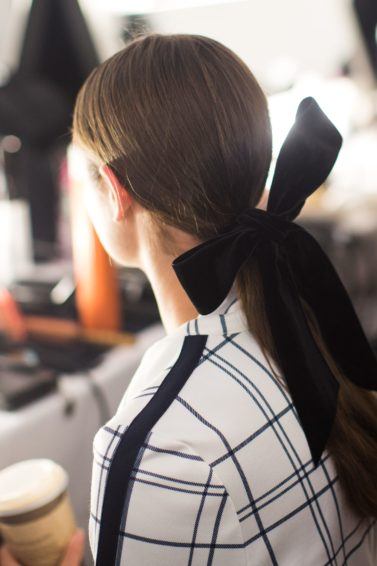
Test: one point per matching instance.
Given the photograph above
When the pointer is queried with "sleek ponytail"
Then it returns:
(353, 441)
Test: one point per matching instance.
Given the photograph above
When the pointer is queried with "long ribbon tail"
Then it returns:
(321, 287)
(310, 381)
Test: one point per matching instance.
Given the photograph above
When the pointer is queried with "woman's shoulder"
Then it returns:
(209, 392)
(162, 463)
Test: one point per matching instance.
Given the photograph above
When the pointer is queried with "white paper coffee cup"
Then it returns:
(36, 515)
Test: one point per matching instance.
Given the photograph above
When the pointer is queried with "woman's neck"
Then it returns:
(155, 261)
(174, 305)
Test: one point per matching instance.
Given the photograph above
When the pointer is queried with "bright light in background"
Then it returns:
(10, 144)
(340, 99)
(335, 97)
(150, 6)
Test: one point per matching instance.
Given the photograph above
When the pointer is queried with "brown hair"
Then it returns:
(184, 124)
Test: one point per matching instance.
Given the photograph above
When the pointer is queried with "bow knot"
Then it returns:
(303, 271)
(268, 225)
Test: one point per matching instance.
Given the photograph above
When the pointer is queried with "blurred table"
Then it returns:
(61, 426)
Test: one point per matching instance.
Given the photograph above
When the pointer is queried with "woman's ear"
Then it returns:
(119, 196)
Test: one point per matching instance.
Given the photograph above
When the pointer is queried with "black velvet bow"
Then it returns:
(292, 265)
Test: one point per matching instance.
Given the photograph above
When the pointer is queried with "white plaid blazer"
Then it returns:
(205, 463)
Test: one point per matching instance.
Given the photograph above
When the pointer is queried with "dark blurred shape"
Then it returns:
(58, 46)
(21, 387)
(366, 13)
(135, 25)
(68, 357)
(33, 109)
(36, 105)
(139, 307)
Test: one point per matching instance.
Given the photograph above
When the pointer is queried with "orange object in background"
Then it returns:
(12, 321)
(59, 330)
(97, 288)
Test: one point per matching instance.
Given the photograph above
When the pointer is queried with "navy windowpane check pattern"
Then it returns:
(224, 474)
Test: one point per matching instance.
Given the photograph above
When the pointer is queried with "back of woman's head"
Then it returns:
(184, 125)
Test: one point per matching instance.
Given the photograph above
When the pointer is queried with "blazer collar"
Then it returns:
(228, 318)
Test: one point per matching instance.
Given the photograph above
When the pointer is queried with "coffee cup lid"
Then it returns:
(30, 484)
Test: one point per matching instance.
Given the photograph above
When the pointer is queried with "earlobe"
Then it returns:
(118, 194)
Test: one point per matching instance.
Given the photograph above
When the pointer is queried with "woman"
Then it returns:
(212, 456)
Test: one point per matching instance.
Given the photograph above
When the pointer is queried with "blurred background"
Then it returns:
(65, 359)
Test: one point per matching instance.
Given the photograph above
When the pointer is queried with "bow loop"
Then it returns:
(268, 226)
(305, 160)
